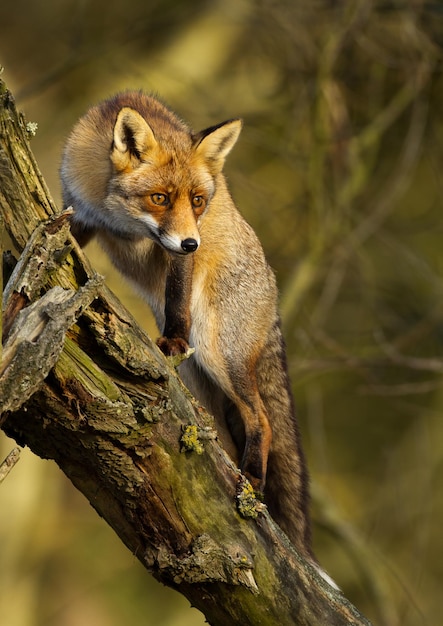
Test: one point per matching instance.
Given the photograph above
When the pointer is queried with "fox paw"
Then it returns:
(257, 483)
(172, 346)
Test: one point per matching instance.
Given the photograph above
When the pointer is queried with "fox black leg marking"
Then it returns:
(177, 301)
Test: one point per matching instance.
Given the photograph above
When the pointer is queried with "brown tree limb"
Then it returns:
(94, 394)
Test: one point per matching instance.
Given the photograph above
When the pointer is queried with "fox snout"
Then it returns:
(174, 244)
(177, 244)
(170, 233)
(189, 245)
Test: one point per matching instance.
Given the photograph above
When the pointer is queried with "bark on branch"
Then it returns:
(80, 383)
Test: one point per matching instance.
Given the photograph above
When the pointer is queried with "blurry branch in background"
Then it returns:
(358, 169)
(342, 161)
(81, 384)
(365, 562)
(332, 232)
(167, 28)
(433, 365)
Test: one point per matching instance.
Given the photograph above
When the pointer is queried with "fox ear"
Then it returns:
(215, 143)
(132, 137)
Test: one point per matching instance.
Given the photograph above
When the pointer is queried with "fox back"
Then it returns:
(153, 192)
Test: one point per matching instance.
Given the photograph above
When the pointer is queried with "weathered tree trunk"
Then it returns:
(80, 383)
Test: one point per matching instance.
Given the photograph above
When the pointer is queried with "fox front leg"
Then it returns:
(175, 339)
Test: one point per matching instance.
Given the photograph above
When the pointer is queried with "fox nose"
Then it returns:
(189, 245)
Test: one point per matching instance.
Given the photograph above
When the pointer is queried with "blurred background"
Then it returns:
(339, 170)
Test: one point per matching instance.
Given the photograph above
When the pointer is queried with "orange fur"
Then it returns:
(153, 193)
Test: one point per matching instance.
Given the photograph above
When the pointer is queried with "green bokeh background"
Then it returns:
(339, 170)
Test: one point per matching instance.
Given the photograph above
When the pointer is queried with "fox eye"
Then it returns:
(198, 202)
(160, 199)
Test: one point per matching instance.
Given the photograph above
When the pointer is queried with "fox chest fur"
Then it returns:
(220, 296)
(154, 194)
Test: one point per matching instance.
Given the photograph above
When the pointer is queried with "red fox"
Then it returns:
(153, 193)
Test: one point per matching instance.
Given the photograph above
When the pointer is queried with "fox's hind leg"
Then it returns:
(258, 432)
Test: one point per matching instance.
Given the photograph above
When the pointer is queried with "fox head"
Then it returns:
(163, 178)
